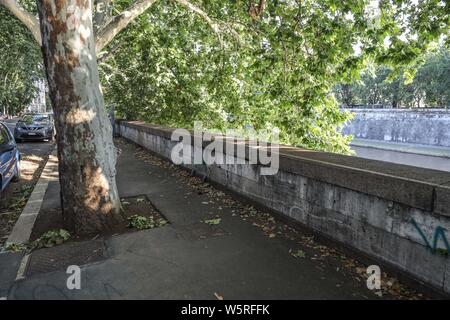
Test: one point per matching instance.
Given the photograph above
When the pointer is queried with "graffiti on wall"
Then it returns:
(439, 233)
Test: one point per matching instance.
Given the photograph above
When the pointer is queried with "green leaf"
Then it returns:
(213, 221)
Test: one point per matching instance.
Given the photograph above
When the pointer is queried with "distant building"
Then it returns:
(38, 104)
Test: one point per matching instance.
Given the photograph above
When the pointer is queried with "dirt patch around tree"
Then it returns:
(138, 213)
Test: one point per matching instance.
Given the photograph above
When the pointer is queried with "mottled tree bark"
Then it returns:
(86, 152)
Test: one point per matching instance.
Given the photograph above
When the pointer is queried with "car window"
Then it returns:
(30, 118)
(27, 118)
(4, 136)
(40, 118)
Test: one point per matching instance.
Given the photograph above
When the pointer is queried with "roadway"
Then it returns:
(429, 157)
(36, 148)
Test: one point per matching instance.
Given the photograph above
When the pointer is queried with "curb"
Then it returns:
(24, 225)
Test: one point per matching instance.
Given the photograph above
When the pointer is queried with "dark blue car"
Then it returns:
(37, 126)
(9, 158)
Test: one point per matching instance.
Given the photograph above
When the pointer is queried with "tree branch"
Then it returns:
(30, 21)
(204, 15)
(104, 55)
(107, 32)
(255, 11)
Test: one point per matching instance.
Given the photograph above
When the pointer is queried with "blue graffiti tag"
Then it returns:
(439, 232)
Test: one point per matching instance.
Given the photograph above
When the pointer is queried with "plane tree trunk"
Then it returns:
(87, 156)
(86, 152)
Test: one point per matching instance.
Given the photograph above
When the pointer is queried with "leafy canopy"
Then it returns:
(277, 70)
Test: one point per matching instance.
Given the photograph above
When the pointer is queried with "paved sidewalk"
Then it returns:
(245, 256)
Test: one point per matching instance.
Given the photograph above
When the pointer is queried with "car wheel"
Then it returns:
(18, 173)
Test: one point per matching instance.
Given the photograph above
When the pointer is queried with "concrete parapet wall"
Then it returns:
(429, 127)
(394, 213)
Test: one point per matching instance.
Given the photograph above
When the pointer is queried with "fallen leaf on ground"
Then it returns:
(213, 221)
(297, 254)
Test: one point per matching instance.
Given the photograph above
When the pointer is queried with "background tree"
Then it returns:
(381, 85)
(20, 65)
